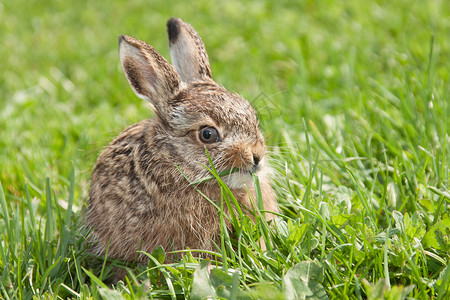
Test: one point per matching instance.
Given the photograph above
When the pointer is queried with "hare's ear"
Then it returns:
(149, 74)
(188, 52)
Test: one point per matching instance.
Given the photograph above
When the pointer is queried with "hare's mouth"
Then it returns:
(240, 178)
(234, 177)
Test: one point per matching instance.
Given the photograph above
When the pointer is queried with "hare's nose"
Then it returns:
(256, 159)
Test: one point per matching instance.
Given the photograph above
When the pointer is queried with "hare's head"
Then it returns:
(193, 111)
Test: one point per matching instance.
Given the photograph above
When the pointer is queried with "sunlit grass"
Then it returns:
(352, 97)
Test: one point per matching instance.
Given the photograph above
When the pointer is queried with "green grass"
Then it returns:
(353, 99)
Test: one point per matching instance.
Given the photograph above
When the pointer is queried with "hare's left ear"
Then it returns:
(188, 52)
(150, 75)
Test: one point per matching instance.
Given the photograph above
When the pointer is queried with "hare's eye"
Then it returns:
(208, 135)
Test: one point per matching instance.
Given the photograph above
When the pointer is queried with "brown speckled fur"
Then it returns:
(138, 197)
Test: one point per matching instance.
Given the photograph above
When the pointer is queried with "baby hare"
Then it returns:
(139, 199)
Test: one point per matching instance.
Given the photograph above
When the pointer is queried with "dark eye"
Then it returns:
(208, 135)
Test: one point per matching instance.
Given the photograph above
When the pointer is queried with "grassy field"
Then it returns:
(353, 100)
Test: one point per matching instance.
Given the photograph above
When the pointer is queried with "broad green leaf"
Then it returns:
(201, 285)
(438, 237)
(210, 282)
(303, 280)
(110, 294)
(339, 220)
(266, 291)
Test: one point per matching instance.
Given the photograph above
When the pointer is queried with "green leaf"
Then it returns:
(339, 220)
(313, 243)
(438, 237)
(295, 231)
(110, 294)
(210, 282)
(414, 226)
(343, 198)
(398, 218)
(281, 228)
(94, 278)
(444, 282)
(159, 254)
(379, 290)
(303, 280)
(266, 291)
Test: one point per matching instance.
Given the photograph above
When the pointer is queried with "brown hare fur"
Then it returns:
(138, 198)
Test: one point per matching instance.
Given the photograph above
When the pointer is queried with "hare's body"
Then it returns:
(139, 199)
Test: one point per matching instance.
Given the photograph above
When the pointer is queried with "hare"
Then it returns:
(139, 199)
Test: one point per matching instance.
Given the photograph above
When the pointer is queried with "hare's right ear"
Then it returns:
(188, 52)
(149, 74)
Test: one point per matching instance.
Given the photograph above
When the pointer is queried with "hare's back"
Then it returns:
(117, 177)
(118, 160)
